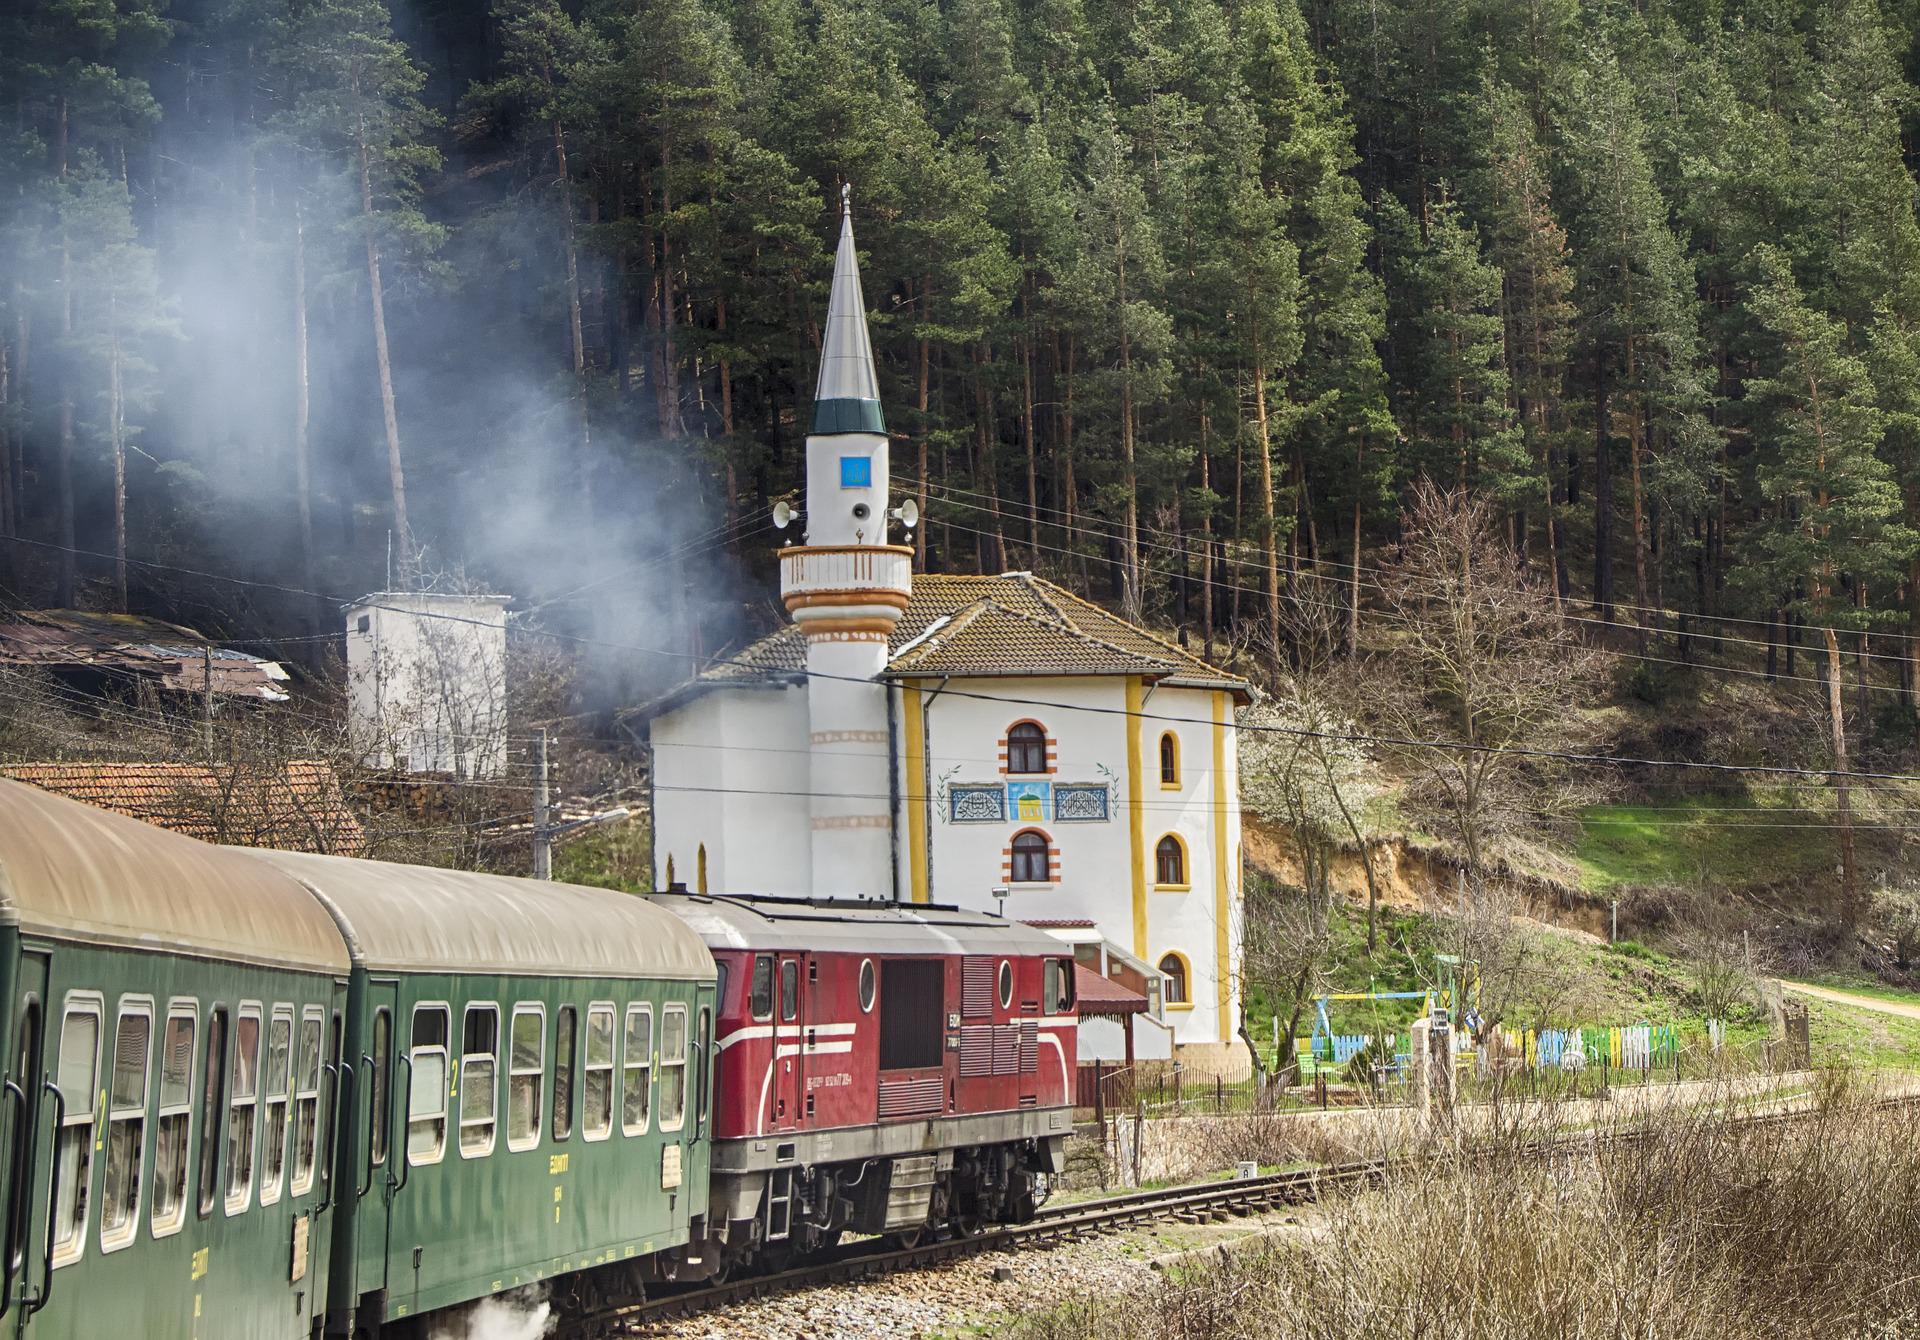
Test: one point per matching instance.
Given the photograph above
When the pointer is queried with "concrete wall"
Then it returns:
(427, 682)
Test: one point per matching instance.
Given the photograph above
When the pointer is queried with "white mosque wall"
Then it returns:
(731, 774)
(1094, 860)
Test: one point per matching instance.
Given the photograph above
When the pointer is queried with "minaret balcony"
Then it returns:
(864, 576)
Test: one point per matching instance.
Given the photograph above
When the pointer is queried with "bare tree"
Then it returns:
(1480, 662)
(1286, 952)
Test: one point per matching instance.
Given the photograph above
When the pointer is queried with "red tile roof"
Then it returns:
(1101, 995)
(298, 808)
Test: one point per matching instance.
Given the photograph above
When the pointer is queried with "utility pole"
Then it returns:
(206, 693)
(542, 830)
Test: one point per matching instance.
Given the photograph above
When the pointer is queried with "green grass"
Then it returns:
(617, 856)
(1697, 840)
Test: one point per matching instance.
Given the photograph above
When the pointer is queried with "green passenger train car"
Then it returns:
(170, 1012)
(531, 1092)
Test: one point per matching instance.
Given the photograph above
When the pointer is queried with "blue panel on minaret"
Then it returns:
(856, 472)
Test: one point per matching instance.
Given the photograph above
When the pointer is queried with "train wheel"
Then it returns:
(967, 1225)
(908, 1240)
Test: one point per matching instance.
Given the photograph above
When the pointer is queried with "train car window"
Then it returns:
(636, 1089)
(760, 1001)
(706, 1064)
(306, 1101)
(673, 1067)
(427, 1093)
(126, 1124)
(377, 1116)
(276, 1094)
(789, 990)
(171, 1145)
(720, 983)
(479, 1060)
(213, 1101)
(526, 1065)
(73, 1142)
(597, 1120)
(243, 1108)
(868, 983)
(563, 1049)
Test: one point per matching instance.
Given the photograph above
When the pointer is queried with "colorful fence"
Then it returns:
(1633, 1047)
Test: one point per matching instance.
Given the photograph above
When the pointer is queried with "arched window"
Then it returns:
(1174, 969)
(1030, 858)
(1026, 748)
(1169, 759)
(1170, 862)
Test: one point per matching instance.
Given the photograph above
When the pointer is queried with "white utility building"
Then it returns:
(988, 741)
(427, 682)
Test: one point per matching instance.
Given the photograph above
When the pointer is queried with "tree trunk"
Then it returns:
(574, 330)
(922, 403)
(1602, 496)
(671, 422)
(1132, 598)
(1842, 790)
(396, 470)
(63, 470)
(1263, 435)
(993, 542)
(117, 438)
(317, 613)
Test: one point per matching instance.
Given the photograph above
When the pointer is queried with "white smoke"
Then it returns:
(522, 1315)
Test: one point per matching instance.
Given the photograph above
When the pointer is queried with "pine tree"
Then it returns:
(352, 102)
(1833, 508)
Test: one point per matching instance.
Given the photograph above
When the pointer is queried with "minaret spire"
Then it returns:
(847, 397)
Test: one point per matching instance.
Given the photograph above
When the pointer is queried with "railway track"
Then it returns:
(1058, 1224)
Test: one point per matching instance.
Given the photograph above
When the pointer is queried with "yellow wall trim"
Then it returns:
(1223, 949)
(1137, 814)
(915, 796)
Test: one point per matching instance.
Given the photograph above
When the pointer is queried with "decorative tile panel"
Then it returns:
(1080, 803)
(977, 804)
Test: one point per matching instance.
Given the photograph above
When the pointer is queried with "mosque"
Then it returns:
(993, 742)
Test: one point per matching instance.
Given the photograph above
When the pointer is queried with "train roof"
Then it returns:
(73, 871)
(849, 927)
(412, 918)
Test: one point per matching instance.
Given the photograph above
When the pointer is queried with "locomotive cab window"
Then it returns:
(525, 1061)
(597, 1118)
(636, 1092)
(274, 1098)
(73, 1143)
(479, 1058)
(126, 1125)
(1059, 985)
(760, 998)
(171, 1146)
(243, 1108)
(563, 1049)
(306, 1101)
(789, 990)
(427, 1091)
(673, 1067)
(213, 1101)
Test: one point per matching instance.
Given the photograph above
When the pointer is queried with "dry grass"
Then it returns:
(1704, 1229)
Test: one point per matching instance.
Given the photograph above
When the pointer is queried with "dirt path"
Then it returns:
(1902, 1008)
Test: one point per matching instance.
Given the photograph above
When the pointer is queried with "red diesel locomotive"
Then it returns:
(878, 1068)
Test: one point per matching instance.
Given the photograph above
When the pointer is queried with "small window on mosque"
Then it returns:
(856, 472)
(1174, 969)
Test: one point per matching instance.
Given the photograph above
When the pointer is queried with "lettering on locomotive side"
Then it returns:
(556, 1164)
(839, 1081)
(200, 1262)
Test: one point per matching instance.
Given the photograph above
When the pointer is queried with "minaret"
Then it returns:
(845, 586)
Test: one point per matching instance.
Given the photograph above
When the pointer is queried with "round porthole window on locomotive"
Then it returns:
(866, 986)
(1006, 984)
